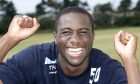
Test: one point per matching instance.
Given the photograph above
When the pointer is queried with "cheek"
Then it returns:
(61, 40)
(87, 39)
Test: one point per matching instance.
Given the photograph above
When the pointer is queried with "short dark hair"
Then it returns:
(73, 9)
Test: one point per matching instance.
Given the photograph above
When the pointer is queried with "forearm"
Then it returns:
(6, 44)
(132, 70)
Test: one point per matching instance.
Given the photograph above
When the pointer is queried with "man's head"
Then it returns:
(73, 9)
(74, 35)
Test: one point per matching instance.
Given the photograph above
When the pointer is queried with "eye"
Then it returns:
(66, 32)
(83, 32)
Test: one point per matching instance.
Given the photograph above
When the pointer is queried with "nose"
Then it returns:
(75, 39)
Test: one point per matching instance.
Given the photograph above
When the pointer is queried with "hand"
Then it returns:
(22, 27)
(125, 45)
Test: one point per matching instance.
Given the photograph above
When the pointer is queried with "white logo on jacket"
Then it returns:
(48, 61)
(51, 65)
(94, 75)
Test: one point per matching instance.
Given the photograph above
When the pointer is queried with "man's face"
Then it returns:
(74, 38)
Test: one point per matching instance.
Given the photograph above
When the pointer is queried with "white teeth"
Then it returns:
(75, 53)
(74, 49)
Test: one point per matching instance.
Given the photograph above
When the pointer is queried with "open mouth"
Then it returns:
(74, 51)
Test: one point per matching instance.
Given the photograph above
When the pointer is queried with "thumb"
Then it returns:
(36, 25)
(117, 43)
(117, 38)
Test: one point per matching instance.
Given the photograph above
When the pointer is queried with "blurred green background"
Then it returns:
(103, 40)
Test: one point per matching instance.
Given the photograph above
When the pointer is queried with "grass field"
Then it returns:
(103, 40)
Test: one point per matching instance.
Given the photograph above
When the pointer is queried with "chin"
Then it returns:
(77, 62)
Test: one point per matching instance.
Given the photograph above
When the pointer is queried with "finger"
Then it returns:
(117, 36)
(117, 39)
(30, 23)
(27, 23)
(35, 24)
(18, 20)
(117, 43)
(21, 21)
(132, 44)
(128, 36)
(123, 38)
(132, 39)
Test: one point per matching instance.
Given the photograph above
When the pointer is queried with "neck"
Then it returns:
(71, 70)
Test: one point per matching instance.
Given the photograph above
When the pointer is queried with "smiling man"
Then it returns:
(69, 60)
(74, 37)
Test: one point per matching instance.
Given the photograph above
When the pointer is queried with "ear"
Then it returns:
(54, 33)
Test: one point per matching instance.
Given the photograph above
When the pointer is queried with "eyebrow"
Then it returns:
(85, 29)
(67, 28)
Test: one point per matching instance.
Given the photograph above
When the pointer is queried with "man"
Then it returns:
(69, 60)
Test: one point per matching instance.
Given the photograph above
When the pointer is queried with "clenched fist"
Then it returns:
(22, 27)
(126, 45)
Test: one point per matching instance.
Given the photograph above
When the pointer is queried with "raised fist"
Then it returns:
(22, 27)
(126, 44)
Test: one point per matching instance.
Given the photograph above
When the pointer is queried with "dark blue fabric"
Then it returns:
(38, 64)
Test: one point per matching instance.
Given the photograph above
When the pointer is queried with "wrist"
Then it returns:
(129, 60)
(10, 39)
(7, 43)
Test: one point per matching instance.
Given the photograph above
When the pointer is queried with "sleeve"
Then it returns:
(118, 76)
(20, 69)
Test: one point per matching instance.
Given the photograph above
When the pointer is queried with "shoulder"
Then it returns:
(111, 69)
(101, 59)
(37, 49)
(33, 54)
(26, 64)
